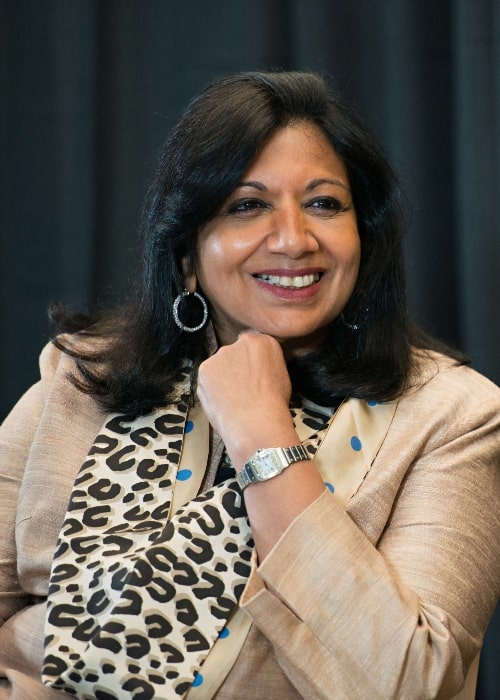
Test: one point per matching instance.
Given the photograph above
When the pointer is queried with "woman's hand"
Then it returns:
(245, 392)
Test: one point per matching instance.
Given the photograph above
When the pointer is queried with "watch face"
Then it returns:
(267, 465)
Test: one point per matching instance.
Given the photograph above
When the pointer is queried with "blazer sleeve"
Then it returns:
(17, 433)
(402, 617)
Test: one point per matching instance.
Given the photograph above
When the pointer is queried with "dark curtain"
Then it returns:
(89, 89)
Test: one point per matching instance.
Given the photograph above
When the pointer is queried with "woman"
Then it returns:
(293, 493)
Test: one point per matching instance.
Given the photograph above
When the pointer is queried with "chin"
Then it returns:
(295, 347)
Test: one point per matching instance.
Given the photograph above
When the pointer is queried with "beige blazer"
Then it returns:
(388, 598)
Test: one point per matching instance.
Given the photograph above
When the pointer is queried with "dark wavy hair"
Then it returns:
(367, 352)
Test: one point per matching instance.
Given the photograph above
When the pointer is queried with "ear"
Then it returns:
(189, 275)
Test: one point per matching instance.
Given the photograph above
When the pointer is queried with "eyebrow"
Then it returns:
(310, 186)
(326, 181)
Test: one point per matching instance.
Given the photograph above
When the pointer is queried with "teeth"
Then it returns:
(297, 282)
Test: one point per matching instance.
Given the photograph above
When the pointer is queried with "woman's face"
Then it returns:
(282, 254)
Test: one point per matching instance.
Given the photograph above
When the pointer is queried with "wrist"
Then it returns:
(263, 426)
(242, 450)
(267, 463)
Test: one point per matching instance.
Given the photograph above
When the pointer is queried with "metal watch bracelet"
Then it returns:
(268, 462)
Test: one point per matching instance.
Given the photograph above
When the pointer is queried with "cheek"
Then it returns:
(209, 247)
(223, 252)
(208, 260)
(215, 269)
(349, 262)
(356, 258)
(350, 253)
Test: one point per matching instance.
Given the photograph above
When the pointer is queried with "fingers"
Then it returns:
(245, 388)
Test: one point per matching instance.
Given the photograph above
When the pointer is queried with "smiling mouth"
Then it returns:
(295, 282)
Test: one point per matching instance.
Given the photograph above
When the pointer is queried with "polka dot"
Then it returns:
(224, 633)
(184, 474)
(189, 426)
(330, 487)
(355, 443)
(198, 680)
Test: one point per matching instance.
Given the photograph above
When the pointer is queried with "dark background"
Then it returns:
(89, 89)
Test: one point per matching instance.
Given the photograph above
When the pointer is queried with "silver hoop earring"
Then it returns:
(351, 326)
(356, 326)
(177, 301)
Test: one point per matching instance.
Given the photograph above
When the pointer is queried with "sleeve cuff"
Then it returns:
(281, 557)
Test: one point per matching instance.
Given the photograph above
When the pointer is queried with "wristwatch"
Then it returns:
(269, 462)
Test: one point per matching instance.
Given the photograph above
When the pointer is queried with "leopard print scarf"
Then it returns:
(147, 573)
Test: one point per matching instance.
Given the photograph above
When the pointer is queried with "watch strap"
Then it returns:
(282, 458)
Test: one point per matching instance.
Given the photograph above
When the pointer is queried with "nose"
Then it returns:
(291, 233)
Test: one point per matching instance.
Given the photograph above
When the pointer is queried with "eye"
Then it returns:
(246, 205)
(327, 205)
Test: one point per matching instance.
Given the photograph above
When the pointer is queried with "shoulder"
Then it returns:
(49, 361)
(51, 407)
(446, 400)
(61, 395)
(54, 363)
(63, 352)
(439, 375)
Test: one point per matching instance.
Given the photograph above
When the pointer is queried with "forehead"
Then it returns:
(294, 147)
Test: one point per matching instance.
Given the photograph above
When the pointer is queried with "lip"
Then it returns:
(290, 293)
(290, 272)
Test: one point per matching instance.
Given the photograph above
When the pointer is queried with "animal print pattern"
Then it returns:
(137, 598)
(311, 422)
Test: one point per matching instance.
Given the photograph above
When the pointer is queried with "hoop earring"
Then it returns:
(360, 322)
(351, 326)
(177, 301)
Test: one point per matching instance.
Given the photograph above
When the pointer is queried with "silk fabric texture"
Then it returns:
(124, 645)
